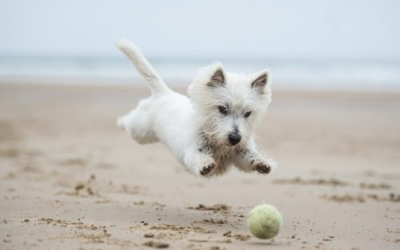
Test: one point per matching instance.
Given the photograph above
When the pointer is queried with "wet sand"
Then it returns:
(69, 179)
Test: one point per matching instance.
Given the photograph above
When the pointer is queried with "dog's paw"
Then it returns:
(207, 169)
(262, 168)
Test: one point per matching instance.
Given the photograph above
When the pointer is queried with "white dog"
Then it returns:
(212, 129)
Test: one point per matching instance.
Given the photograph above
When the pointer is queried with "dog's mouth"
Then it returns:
(230, 145)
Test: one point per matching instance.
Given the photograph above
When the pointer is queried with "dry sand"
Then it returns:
(69, 179)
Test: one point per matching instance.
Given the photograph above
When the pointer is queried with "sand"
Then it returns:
(69, 179)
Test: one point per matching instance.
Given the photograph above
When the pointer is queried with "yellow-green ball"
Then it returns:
(264, 221)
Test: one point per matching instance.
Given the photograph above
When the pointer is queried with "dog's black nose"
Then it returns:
(234, 138)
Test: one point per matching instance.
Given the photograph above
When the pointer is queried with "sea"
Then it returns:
(318, 75)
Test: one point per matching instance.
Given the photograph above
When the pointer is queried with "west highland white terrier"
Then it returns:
(212, 129)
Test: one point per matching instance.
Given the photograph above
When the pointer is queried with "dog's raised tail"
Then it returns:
(156, 84)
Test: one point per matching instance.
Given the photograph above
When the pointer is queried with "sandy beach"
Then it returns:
(69, 179)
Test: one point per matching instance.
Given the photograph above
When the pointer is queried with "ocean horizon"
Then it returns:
(353, 75)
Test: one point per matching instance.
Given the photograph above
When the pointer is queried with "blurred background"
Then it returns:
(69, 178)
(311, 44)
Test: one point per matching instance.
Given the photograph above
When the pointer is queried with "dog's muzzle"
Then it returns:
(234, 138)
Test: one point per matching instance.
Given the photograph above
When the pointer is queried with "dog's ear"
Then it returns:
(261, 80)
(218, 77)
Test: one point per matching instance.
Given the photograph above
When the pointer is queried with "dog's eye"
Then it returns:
(223, 110)
(247, 114)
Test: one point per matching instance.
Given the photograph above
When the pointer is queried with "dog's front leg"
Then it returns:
(199, 161)
(249, 159)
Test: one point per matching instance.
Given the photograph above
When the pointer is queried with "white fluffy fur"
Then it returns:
(194, 128)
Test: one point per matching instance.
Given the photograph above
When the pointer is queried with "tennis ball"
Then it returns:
(264, 221)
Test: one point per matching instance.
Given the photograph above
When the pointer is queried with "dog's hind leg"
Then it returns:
(137, 127)
(138, 124)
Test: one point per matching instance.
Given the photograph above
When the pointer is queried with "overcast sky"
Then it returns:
(279, 29)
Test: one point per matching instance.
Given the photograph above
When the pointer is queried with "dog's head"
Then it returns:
(230, 104)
